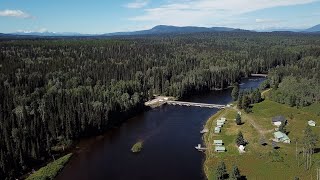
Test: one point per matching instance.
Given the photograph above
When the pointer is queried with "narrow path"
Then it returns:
(249, 119)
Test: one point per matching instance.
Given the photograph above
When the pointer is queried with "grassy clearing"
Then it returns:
(258, 162)
(51, 170)
(137, 147)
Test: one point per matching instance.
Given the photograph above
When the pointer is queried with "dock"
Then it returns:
(199, 148)
(259, 75)
(203, 105)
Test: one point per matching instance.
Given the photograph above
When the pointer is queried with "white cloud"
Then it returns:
(14, 13)
(267, 21)
(207, 12)
(137, 4)
(40, 30)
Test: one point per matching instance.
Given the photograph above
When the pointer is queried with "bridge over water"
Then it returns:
(204, 105)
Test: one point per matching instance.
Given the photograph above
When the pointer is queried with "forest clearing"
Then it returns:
(258, 160)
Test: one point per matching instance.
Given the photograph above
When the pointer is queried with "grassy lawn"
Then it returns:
(257, 162)
(51, 170)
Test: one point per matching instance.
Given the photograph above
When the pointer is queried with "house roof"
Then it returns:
(280, 135)
(220, 148)
(217, 141)
(278, 119)
(217, 129)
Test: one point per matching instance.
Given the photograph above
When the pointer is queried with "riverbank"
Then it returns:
(51, 170)
(259, 161)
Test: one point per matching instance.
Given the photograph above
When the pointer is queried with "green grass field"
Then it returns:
(257, 162)
(51, 170)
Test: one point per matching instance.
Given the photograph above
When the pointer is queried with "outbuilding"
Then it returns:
(278, 120)
(218, 142)
(217, 130)
(220, 149)
(312, 123)
(220, 124)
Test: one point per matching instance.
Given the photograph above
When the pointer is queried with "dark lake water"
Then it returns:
(170, 134)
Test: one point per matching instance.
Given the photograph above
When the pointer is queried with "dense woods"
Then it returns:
(296, 84)
(56, 91)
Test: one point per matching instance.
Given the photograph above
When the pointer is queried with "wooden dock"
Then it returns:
(203, 105)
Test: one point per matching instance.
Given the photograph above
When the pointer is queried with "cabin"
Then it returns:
(220, 124)
(218, 142)
(312, 123)
(220, 149)
(222, 121)
(281, 137)
(278, 120)
(217, 130)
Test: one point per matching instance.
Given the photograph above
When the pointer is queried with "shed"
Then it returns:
(220, 149)
(242, 148)
(278, 120)
(220, 120)
(220, 124)
(217, 130)
(218, 142)
(281, 137)
(312, 123)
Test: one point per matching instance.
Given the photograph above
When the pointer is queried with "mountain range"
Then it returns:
(163, 29)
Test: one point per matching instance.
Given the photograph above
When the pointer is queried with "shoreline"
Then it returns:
(205, 138)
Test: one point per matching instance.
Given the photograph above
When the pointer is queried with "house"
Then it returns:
(217, 130)
(281, 137)
(220, 149)
(218, 142)
(223, 119)
(312, 123)
(278, 120)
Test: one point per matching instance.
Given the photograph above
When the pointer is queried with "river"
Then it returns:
(170, 134)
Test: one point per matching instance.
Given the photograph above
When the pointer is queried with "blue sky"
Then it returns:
(103, 16)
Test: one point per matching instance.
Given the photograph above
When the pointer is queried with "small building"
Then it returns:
(223, 119)
(242, 148)
(218, 142)
(312, 123)
(220, 120)
(278, 120)
(220, 149)
(217, 130)
(239, 112)
(281, 137)
(220, 124)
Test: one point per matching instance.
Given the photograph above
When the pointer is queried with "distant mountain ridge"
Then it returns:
(162, 29)
(315, 28)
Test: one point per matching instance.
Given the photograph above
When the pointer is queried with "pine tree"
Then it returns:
(238, 119)
(221, 171)
(240, 140)
(235, 173)
(235, 92)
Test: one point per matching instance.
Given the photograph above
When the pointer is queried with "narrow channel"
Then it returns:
(170, 134)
